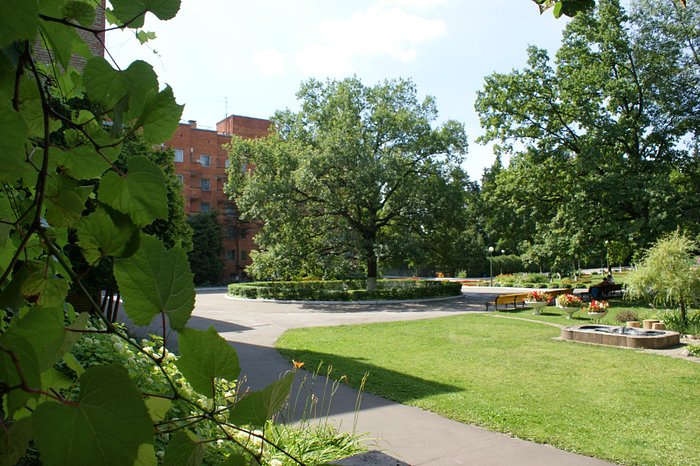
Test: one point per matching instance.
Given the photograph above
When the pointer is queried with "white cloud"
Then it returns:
(417, 5)
(269, 62)
(381, 31)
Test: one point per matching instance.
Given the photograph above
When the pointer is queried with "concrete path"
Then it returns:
(410, 434)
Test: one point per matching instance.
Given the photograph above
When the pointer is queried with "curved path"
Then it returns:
(415, 436)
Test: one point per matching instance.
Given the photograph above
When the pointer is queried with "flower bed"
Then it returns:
(345, 290)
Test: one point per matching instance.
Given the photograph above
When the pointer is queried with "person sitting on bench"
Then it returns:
(597, 290)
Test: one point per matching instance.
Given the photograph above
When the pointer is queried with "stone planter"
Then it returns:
(597, 315)
(570, 311)
(536, 306)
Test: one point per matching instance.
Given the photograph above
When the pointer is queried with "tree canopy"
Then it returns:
(602, 141)
(340, 182)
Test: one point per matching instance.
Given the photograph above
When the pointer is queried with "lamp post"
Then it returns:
(490, 265)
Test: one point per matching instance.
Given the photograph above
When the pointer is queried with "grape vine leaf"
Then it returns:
(256, 408)
(16, 351)
(81, 12)
(65, 200)
(134, 11)
(158, 407)
(110, 422)
(14, 441)
(205, 355)
(160, 115)
(183, 449)
(14, 133)
(104, 233)
(43, 329)
(20, 20)
(155, 280)
(141, 194)
(45, 289)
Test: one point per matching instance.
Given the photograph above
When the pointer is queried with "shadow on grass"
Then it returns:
(261, 366)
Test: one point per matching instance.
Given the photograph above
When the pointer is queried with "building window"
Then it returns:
(230, 232)
(204, 184)
(180, 178)
(230, 210)
(179, 155)
(244, 256)
(205, 160)
(244, 233)
(204, 207)
(227, 163)
(231, 255)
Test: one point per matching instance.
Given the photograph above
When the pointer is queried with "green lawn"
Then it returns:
(512, 376)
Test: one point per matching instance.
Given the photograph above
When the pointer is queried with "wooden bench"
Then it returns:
(602, 291)
(555, 293)
(506, 300)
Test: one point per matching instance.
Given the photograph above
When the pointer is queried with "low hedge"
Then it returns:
(345, 290)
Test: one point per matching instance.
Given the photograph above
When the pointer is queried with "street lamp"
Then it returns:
(490, 265)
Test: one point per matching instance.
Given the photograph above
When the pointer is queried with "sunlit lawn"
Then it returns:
(513, 376)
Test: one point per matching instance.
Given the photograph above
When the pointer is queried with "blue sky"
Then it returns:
(248, 58)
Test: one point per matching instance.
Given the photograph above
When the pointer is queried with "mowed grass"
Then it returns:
(512, 376)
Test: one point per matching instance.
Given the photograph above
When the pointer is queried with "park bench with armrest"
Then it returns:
(602, 291)
(505, 300)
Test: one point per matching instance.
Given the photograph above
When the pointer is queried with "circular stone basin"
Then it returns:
(621, 330)
(621, 336)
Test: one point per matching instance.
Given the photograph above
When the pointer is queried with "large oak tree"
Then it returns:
(338, 181)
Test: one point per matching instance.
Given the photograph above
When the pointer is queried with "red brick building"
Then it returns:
(201, 163)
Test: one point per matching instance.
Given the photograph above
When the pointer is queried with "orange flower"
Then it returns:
(297, 364)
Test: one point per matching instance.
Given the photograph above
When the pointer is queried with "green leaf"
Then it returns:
(104, 233)
(158, 407)
(19, 20)
(133, 11)
(140, 80)
(15, 348)
(13, 134)
(558, 9)
(236, 459)
(156, 280)
(160, 116)
(145, 36)
(63, 42)
(109, 425)
(256, 408)
(184, 449)
(73, 363)
(14, 441)
(205, 355)
(65, 200)
(82, 12)
(45, 289)
(103, 84)
(43, 329)
(141, 194)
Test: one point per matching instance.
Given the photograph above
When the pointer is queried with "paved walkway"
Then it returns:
(410, 434)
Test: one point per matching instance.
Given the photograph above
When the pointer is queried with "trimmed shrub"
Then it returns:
(344, 290)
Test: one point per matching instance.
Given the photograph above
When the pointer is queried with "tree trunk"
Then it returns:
(371, 268)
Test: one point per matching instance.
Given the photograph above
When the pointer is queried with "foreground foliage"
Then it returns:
(69, 206)
(512, 376)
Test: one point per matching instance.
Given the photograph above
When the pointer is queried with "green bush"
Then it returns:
(673, 320)
(344, 290)
(694, 350)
